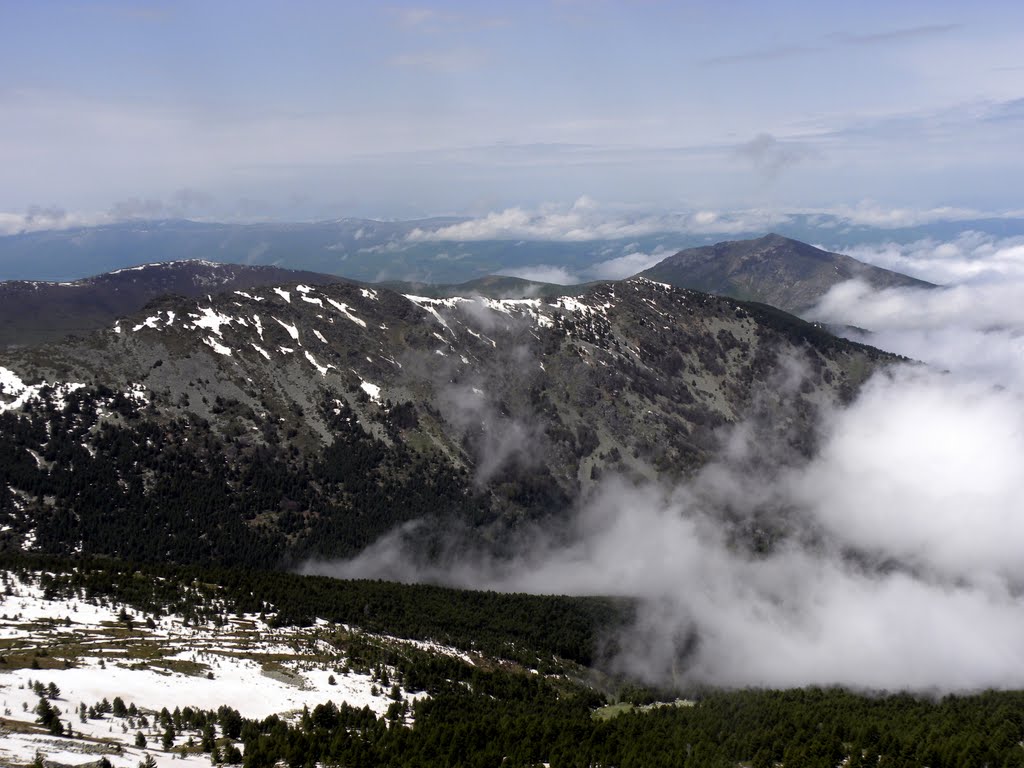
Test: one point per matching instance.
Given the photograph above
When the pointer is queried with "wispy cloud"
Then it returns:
(896, 35)
(974, 324)
(770, 157)
(627, 265)
(434, 20)
(785, 52)
(766, 54)
(870, 213)
(448, 61)
(897, 560)
(42, 218)
(587, 220)
(544, 273)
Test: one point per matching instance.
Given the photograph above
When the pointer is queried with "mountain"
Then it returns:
(261, 427)
(35, 311)
(773, 270)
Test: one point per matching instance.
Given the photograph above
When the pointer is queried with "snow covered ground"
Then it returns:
(86, 649)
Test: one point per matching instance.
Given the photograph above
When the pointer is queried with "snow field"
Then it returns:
(245, 664)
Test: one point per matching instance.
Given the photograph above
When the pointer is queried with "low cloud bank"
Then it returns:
(889, 560)
(896, 565)
(630, 263)
(586, 220)
(973, 325)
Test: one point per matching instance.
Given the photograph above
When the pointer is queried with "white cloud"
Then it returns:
(447, 61)
(587, 220)
(41, 220)
(975, 324)
(899, 568)
(627, 265)
(972, 257)
(872, 214)
(896, 560)
(771, 157)
(544, 273)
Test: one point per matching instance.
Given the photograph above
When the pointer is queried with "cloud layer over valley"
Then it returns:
(890, 559)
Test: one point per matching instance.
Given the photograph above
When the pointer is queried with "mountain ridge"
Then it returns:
(301, 421)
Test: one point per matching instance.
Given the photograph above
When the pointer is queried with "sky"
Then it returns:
(309, 110)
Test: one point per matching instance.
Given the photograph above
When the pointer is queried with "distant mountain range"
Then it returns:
(375, 251)
(773, 270)
(359, 249)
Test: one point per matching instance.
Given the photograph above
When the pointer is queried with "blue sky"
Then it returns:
(319, 110)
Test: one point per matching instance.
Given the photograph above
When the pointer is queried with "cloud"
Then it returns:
(51, 214)
(786, 52)
(897, 35)
(894, 567)
(39, 218)
(974, 324)
(544, 273)
(888, 559)
(770, 157)
(1007, 111)
(872, 214)
(447, 61)
(137, 208)
(779, 53)
(587, 219)
(417, 17)
(627, 265)
(434, 20)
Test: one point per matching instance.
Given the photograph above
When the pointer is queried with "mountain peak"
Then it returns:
(771, 269)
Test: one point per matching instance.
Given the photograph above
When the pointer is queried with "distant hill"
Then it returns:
(33, 312)
(774, 270)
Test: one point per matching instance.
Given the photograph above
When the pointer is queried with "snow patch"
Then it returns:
(322, 368)
(149, 322)
(210, 319)
(219, 348)
(344, 309)
(293, 331)
(12, 386)
(372, 390)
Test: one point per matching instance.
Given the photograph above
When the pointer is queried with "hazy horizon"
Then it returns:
(317, 110)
